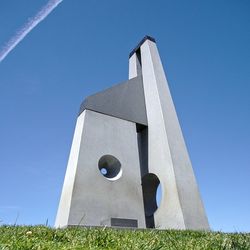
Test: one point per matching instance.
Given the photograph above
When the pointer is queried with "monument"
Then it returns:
(127, 141)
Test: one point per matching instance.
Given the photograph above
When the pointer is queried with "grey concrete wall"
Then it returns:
(67, 190)
(190, 200)
(181, 206)
(124, 101)
(95, 199)
(169, 214)
(89, 198)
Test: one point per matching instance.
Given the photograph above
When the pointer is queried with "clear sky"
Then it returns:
(82, 47)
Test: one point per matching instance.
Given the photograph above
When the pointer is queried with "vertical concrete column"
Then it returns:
(133, 66)
(181, 206)
(187, 189)
(169, 214)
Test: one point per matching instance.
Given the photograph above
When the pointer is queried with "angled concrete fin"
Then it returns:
(125, 101)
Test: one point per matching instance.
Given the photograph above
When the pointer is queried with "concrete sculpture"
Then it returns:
(128, 140)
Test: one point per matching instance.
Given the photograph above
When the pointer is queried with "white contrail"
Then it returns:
(30, 25)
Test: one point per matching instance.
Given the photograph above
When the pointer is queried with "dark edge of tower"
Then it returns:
(150, 38)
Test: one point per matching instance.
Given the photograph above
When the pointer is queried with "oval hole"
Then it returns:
(150, 185)
(110, 167)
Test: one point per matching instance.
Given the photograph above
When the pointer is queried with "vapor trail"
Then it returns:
(29, 26)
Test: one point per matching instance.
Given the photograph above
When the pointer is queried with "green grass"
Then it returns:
(42, 237)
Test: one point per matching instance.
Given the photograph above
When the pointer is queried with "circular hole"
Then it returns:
(110, 167)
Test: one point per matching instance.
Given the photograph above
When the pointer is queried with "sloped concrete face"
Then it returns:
(127, 141)
(99, 198)
(125, 101)
(62, 217)
(181, 206)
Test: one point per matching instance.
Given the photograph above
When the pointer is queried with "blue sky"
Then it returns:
(82, 47)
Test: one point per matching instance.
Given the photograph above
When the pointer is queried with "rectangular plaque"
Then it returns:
(119, 222)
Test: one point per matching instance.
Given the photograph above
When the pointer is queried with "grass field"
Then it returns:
(42, 237)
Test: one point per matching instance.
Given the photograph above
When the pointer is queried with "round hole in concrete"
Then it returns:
(110, 167)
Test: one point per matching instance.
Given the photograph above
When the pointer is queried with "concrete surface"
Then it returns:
(127, 141)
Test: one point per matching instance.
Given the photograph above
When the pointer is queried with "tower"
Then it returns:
(127, 140)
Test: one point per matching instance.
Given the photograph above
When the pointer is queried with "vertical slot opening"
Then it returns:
(138, 62)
